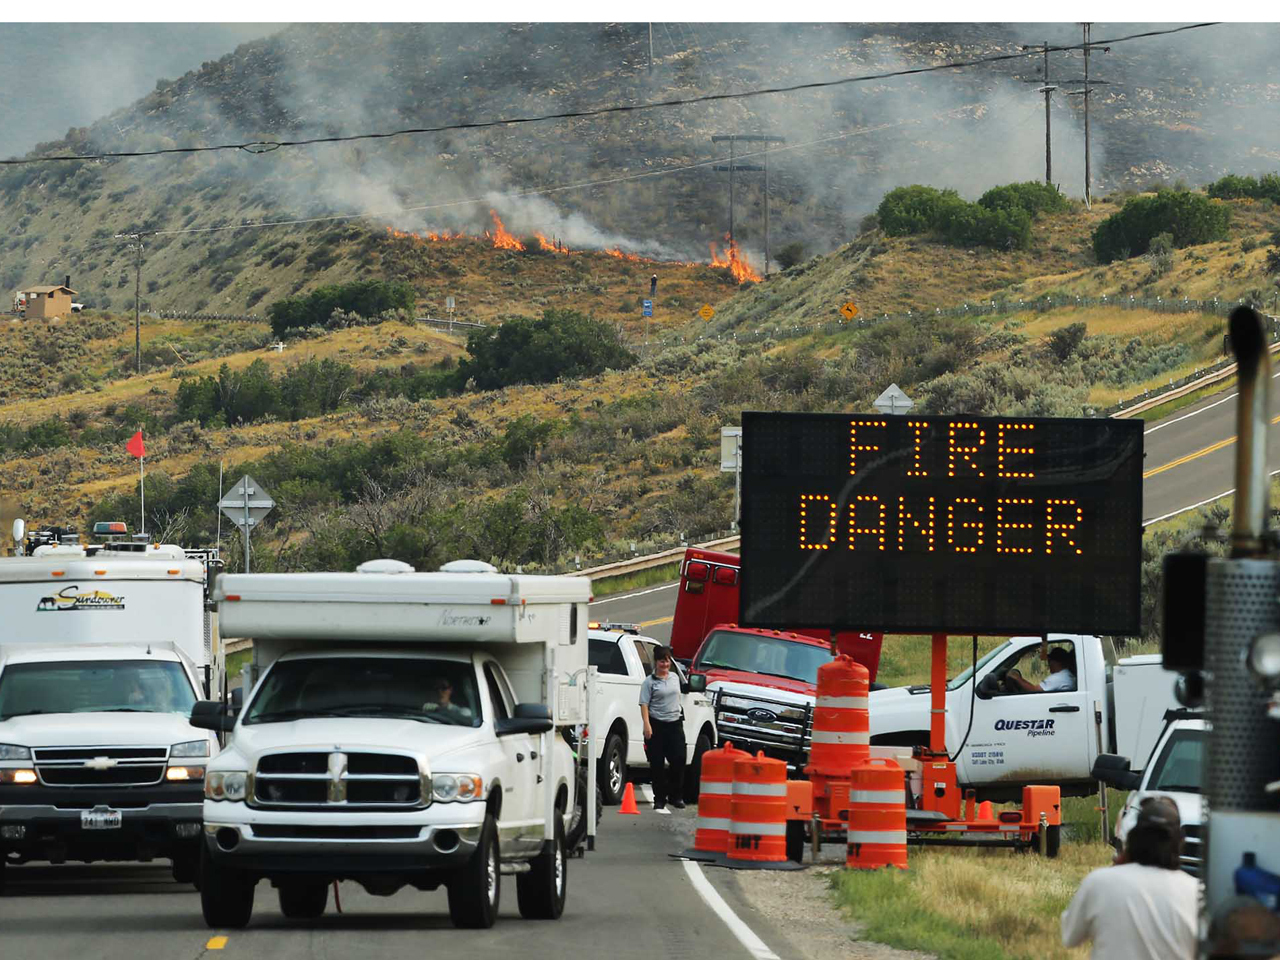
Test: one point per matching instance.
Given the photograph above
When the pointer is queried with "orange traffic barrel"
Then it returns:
(841, 734)
(877, 831)
(758, 811)
(715, 795)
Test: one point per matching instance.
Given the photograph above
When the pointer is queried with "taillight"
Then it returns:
(726, 576)
(697, 571)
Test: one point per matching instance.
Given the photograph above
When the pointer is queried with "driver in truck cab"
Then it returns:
(1061, 676)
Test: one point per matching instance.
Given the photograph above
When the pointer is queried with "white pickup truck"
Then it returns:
(405, 729)
(622, 660)
(1003, 735)
(103, 651)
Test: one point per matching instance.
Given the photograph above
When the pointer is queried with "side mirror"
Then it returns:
(211, 715)
(532, 711)
(528, 718)
(698, 683)
(1113, 770)
(237, 699)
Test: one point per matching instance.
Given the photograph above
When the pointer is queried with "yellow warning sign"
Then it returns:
(849, 310)
(707, 311)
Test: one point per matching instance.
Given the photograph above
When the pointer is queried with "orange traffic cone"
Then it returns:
(629, 801)
(985, 811)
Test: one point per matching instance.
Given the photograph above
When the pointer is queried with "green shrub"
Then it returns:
(560, 343)
(1234, 187)
(1033, 197)
(1189, 218)
(368, 298)
(1002, 222)
(790, 255)
(914, 209)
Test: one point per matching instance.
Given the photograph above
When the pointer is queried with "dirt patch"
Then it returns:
(800, 903)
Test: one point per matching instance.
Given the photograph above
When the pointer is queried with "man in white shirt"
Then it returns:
(1144, 907)
(1061, 677)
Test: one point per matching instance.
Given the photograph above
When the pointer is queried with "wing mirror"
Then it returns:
(697, 683)
(1113, 770)
(528, 718)
(212, 715)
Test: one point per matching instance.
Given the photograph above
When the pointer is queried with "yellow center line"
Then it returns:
(650, 623)
(216, 943)
(1212, 448)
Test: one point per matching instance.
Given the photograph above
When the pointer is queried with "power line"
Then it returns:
(269, 146)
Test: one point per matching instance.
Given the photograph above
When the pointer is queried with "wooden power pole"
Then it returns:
(733, 167)
(1047, 89)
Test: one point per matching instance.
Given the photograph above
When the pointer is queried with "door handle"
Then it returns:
(1063, 708)
(519, 758)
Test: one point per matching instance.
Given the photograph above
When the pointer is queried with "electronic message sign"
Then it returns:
(921, 524)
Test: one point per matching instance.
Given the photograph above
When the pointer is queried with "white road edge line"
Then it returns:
(746, 936)
(628, 596)
(1166, 423)
(1224, 493)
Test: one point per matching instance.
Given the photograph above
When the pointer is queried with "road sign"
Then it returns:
(730, 449)
(707, 311)
(849, 310)
(893, 400)
(648, 308)
(932, 524)
(448, 304)
(245, 505)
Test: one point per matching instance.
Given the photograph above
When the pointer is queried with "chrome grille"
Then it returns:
(1192, 849)
(779, 728)
(100, 766)
(315, 779)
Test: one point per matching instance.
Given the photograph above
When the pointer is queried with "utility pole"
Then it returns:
(651, 48)
(1089, 84)
(1047, 89)
(137, 297)
(734, 167)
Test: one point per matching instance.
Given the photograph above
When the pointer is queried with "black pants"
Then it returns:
(666, 746)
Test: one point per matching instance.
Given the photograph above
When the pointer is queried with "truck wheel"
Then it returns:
(226, 895)
(541, 892)
(1052, 841)
(613, 768)
(795, 840)
(475, 890)
(303, 899)
(2, 866)
(186, 864)
(693, 773)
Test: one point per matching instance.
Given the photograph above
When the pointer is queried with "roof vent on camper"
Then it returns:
(384, 566)
(468, 566)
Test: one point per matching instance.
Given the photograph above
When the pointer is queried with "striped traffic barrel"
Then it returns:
(715, 794)
(758, 812)
(841, 734)
(877, 831)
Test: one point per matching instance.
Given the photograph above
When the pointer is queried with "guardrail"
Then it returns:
(621, 568)
(186, 315)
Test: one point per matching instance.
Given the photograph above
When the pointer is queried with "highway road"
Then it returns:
(627, 901)
(1190, 461)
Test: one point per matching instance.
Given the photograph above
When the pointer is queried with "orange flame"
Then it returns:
(501, 237)
(734, 262)
(552, 246)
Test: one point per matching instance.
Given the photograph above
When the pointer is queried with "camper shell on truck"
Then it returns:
(348, 760)
(102, 653)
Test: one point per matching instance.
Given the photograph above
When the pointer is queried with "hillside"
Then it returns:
(1173, 109)
(532, 475)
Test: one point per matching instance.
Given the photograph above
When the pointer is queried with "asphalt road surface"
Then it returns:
(628, 899)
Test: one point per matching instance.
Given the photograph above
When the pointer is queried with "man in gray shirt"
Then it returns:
(664, 730)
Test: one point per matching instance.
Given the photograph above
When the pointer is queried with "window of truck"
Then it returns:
(960, 679)
(770, 656)
(607, 656)
(1180, 764)
(425, 690)
(95, 686)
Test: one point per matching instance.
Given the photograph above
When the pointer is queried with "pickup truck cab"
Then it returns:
(403, 732)
(622, 660)
(1004, 735)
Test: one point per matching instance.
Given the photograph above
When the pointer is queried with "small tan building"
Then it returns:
(47, 302)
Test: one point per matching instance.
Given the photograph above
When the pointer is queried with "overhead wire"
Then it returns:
(269, 146)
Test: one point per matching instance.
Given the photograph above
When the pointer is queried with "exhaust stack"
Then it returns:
(1249, 342)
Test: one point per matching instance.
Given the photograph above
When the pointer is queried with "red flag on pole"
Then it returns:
(135, 446)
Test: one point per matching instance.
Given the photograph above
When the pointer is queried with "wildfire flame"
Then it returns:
(550, 245)
(501, 237)
(741, 270)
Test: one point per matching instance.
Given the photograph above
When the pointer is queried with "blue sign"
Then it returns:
(648, 308)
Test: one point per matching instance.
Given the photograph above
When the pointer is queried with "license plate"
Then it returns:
(100, 819)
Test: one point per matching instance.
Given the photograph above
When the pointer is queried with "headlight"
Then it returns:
(456, 786)
(20, 777)
(226, 785)
(1263, 657)
(11, 751)
(192, 748)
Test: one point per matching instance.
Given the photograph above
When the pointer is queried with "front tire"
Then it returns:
(475, 890)
(541, 892)
(186, 865)
(613, 768)
(693, 774)
(226, 895)
(303, 900)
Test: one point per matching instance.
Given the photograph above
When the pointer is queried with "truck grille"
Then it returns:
(781, 729)
(1192, 848)
(100, 766)
(316, 779)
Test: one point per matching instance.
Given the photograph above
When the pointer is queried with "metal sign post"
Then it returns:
(245, 505)
(731, 462)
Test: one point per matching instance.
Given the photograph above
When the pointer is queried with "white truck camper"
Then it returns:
(103, 651)
(403, 729)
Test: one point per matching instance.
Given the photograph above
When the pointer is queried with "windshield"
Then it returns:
(960, 679)
(95, 686)
(772, 656)
(1180, 764)
(428, 691)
